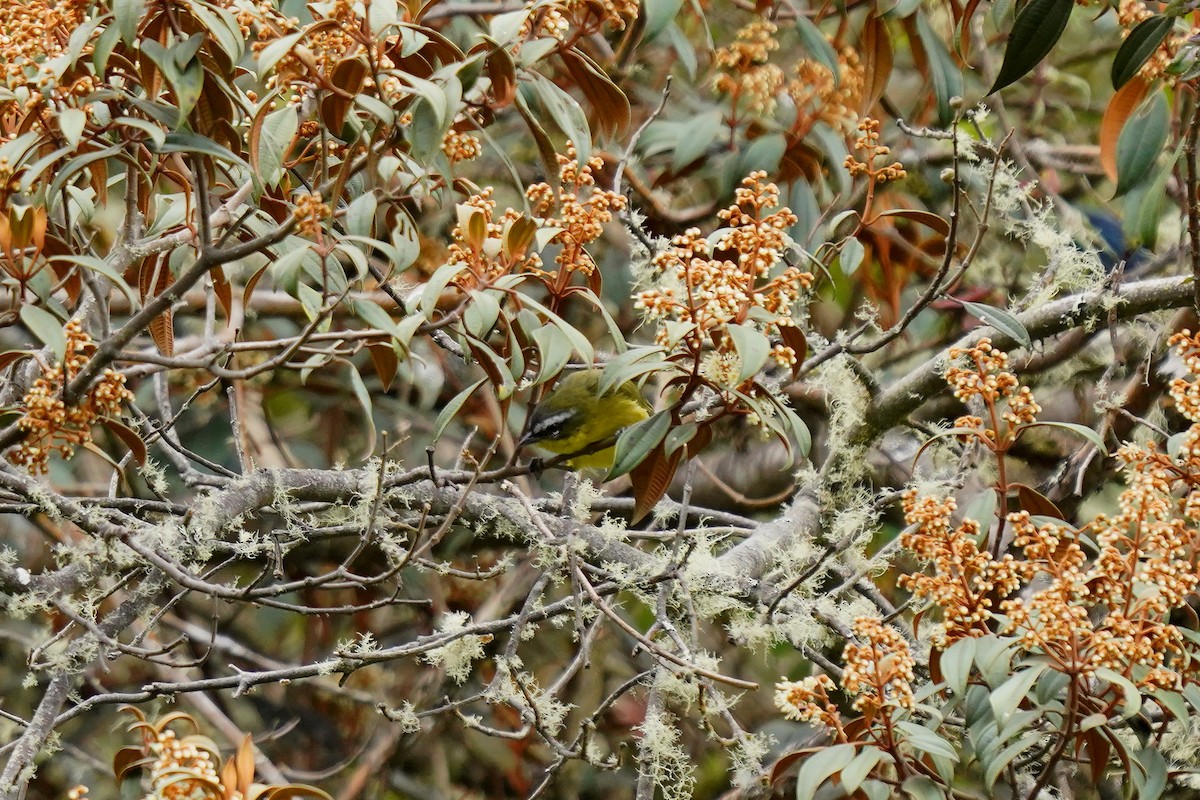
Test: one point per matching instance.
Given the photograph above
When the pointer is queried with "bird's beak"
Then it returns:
(526, 439)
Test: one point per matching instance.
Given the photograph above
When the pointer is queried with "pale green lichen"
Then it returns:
(405, 716)
(662, 758)
(746, 758)
(457, 655)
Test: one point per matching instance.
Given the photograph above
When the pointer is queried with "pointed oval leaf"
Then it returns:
(452, 408)
(1137, 48)
(1034, 34)
(819, 767)
(1141, 142)
(636, 442)
(1116, 114)
(1001, 320)
(752, 347)
(46, 327)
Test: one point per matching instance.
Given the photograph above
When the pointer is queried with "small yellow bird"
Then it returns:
(574, 416)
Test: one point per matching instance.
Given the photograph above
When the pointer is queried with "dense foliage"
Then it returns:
(910, 285)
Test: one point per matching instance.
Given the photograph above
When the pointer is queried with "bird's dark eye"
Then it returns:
(552, 426)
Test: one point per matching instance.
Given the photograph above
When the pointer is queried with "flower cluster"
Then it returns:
(879, 672)
(311, 211)
(557, 18)
(868, 144)
(577, 207)
(820, 96)
(986, 377)
(708, 292)
(746, 72)
(34, 32)
(747, 76)
(965, 580)
(490, 247)
(807, 700)
(189, 767)
(1130, 13)
(325, 46)
(55, 426)
(1109, 613)
(461, 146)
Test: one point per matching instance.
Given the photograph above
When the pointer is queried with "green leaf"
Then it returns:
(636, 442)
(102, 267)
(554, 351)
(285, 269)
(993, 657)
(276, 50)
(614, 330)
(364, 400)
(851, 256)
(1007, 697)
(694, 139)
(919, 787)
(877, 790)
(1132, 698)
(764, 153)
(436, 284)
(278, 130)
(1001, 320)
(578, 341)
(854, 773)
(633, 363)
(1172, 702)
(72, 121)
(943, 70)
(375, 316)
(752, 346)
(1005, 757)
(452, 408)
(1155, 781)
(1137, 48)
(47, 328)
(817, 46)
(820, 766)
(127, 14)
(1144, 209)
(956, 664)
(185, 142)
(1034, 34)
(566, 113)
(481, 313)
(926, 741)
(658, 15)
(1081, 430)
(1141, 142)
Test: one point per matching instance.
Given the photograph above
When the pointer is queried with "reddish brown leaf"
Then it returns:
(651, 478)
(611, 106)
(1098, 748)
(793, 337)
(1037, 503)
(503, 74)
(129, 437)
(926, 218)
(127, 760)
(935, 666)
(12, 357)
(964, 29)
(1120, 108)
(385, 361)
(248, 292)
(153, 279)
(223, 290)
(875, 51)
